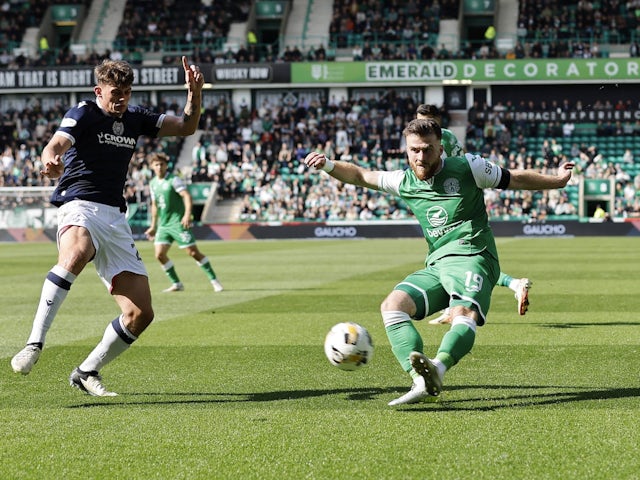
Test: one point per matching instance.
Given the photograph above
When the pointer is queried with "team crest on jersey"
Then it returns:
(437, 216)
(118, 128)
(451, 185)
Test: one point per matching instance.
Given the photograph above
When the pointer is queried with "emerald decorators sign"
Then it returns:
(487, 71)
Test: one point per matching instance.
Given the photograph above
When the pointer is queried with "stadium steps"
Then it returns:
(507, 10)
(184, 160)
(101, 24)
(29, 44)
(222, 211)
(295, 27)
(308, 24)
(317, 26)
(449, 35)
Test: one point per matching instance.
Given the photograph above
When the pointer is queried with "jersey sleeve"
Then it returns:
(150, 122)
(178, 184)
(485, 173)
(71, 122)
(390, 181)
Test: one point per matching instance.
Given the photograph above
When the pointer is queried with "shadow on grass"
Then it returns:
(599, 324)
(520, 398)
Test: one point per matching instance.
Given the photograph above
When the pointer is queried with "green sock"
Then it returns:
(170, 270)
(205, 265)
(504, 280)
(455, 344)
(404, 339)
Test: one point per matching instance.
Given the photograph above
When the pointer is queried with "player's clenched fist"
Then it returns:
(315, 160)
(53, 168)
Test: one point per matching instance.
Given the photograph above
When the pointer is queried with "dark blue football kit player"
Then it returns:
(90, 154)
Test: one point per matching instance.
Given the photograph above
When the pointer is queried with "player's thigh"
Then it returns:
(117, 252)
(75, 248)
(425, 289)
(164, 236)
(470, 279)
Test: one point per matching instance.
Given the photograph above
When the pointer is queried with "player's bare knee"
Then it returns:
(137, 320)
(398, 300)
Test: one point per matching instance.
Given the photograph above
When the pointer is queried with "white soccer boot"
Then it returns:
(217, 286)
(417, 394)
(25, 359)
(176, 287)
(428, 371)
(443, 319)
(522, 295)
(90, 383)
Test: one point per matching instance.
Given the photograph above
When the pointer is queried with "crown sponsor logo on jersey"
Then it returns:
(116, 140)
(437, 216)
(451, 185)
(118, 128)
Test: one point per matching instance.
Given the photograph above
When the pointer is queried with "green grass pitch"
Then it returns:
(236, 385)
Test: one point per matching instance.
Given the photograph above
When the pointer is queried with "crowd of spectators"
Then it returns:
(259, 161)
(254, 155)
(368, 21)
(602, 21)
(373, 30)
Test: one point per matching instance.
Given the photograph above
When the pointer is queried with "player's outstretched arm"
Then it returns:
(532, 180)
(187, 123)
(52, 162)
(343, 171)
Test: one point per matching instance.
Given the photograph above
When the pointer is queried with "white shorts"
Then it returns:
(111, 236)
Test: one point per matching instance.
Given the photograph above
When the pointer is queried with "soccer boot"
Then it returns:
(522, 295)
(217, 286)
(176, 287)
(428, 371)
(443, 319)
(25, 359)
(89, 382)
(417, 394)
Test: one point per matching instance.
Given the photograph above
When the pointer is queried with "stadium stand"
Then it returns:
(253, 155)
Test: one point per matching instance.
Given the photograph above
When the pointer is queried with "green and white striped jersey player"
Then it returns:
(452, 147)
(462, 267)
(171, 206)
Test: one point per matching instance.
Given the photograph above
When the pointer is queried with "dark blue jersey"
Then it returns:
(96, 165)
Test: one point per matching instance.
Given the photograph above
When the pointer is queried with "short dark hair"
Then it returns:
(429, 110)
(423, 127)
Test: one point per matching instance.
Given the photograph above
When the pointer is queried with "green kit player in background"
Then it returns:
(453, 148)
(171, 221)
(462, 267)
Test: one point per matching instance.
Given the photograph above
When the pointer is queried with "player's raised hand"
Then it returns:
(53, 168)
(192, 75)
(564, 172)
